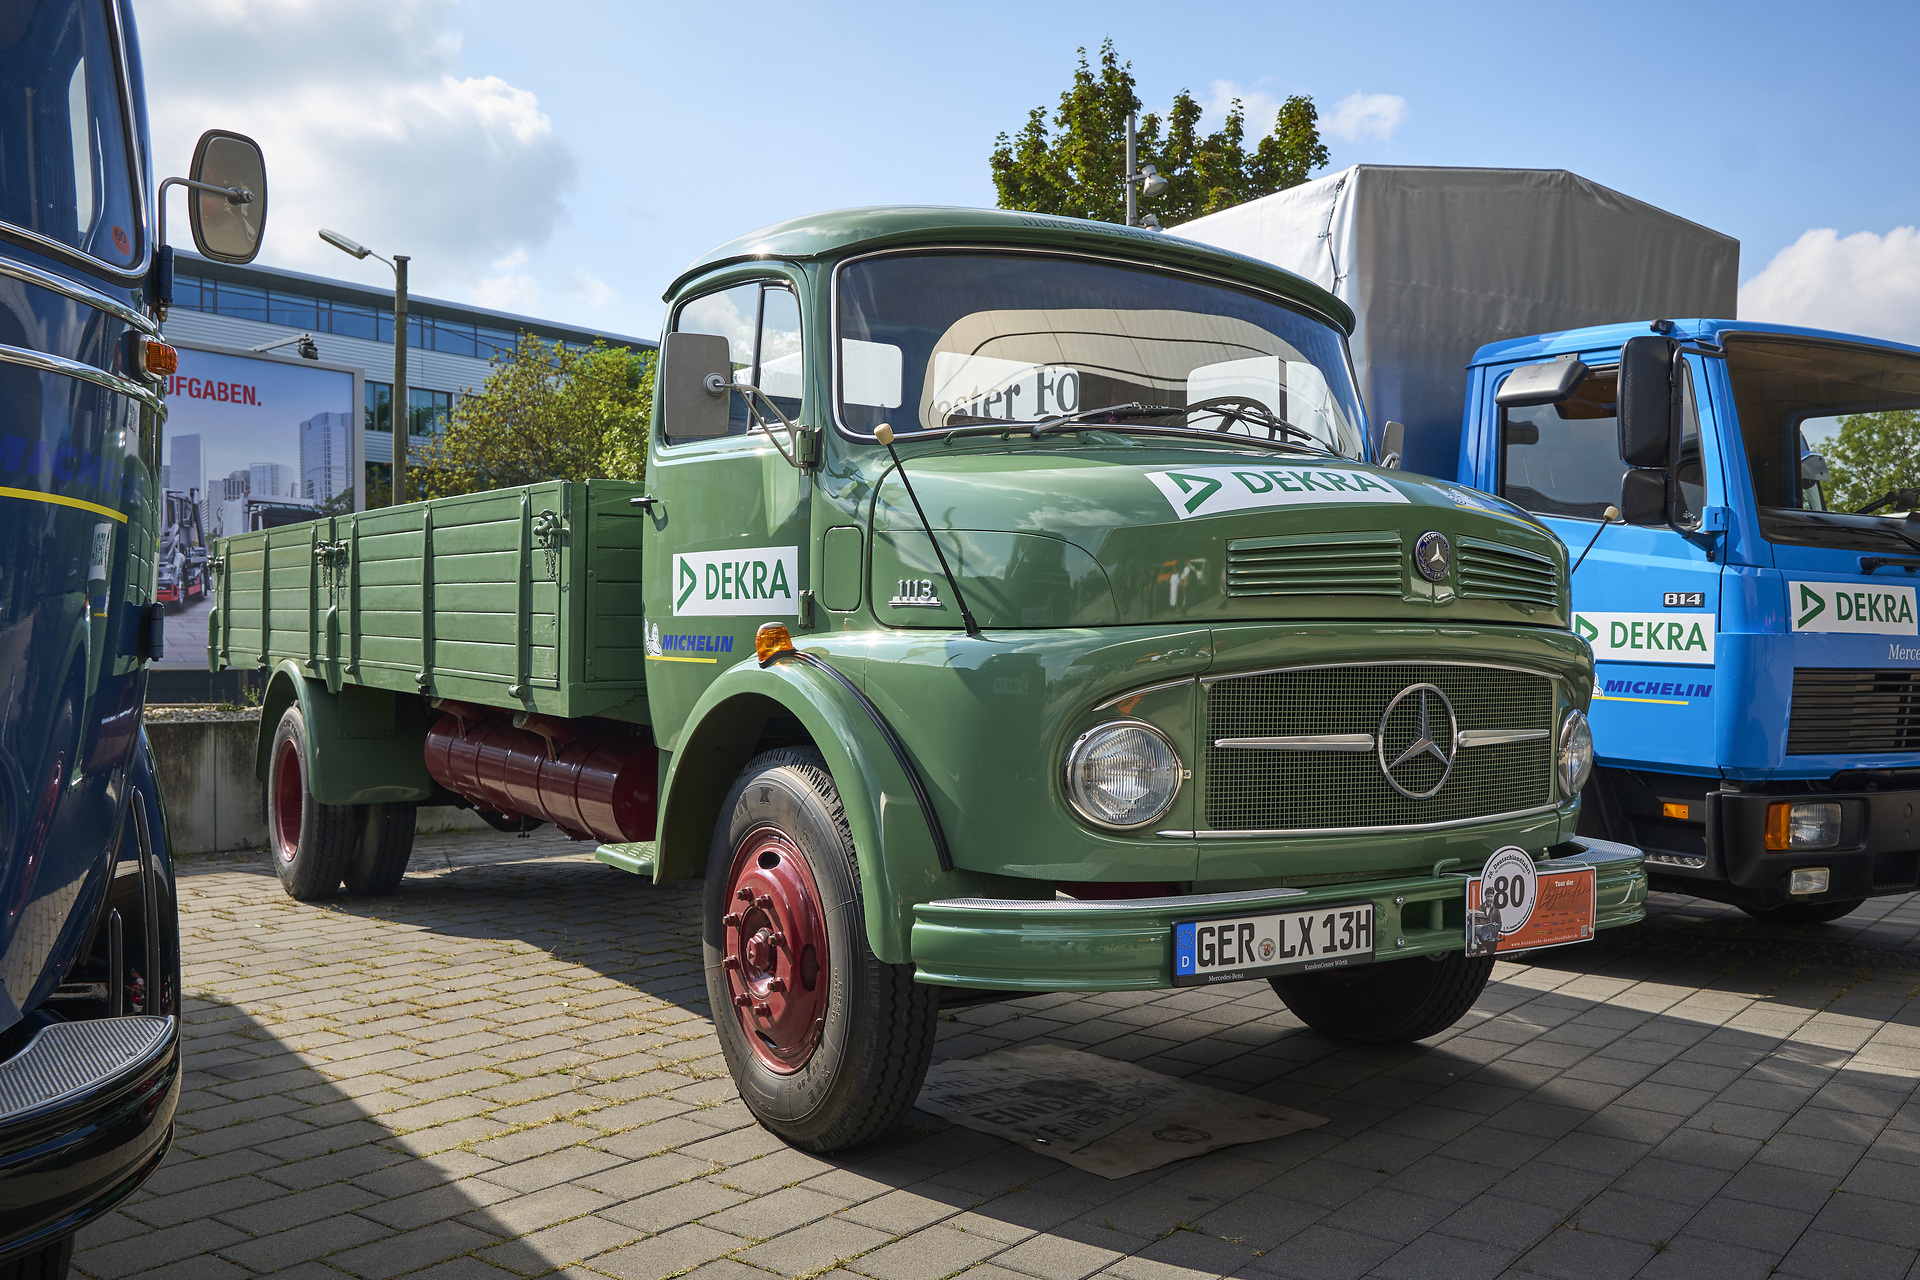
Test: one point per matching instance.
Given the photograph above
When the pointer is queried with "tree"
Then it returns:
(1871, 454)
(1077, 169)
(547, 412)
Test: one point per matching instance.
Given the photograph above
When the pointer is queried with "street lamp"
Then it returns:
(402, 420)
(1145, 180)
(302, 344)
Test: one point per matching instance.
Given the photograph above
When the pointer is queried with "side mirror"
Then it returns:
(1649, 422)
(1813, 470)
(1548, 383)
(1643, 496)
(1392, 437)
(226, 228)
(696, 381)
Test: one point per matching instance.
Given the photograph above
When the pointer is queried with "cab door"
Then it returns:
(1646, 598)
(727, 547)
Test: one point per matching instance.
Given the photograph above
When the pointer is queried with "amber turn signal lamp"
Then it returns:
(770, 641)
(157, 359)
(1778, 819)
(1668, 809)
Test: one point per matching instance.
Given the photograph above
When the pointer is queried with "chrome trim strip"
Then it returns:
(1296, 832)
(1185, 902)
(46, 363)
(1386, 662)
(1355, 742)
(77, 292)
(1142, 263)
(1497, 737)
(1143, 690)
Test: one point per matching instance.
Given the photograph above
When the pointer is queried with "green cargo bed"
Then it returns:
(526, 598)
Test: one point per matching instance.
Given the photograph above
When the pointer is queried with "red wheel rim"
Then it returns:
(774, 950)
(289, 795)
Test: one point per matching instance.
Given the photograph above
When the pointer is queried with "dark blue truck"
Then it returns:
(1757, 719)
(89, 945)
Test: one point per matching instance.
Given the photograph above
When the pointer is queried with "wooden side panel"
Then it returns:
(614, 624)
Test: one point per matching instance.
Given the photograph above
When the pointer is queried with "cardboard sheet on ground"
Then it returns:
(1110, 1118)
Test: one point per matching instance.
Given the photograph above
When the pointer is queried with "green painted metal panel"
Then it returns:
(527, 598)
(841, 551)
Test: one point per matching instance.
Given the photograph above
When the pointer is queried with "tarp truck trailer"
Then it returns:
(1756, 654)
(949, 679)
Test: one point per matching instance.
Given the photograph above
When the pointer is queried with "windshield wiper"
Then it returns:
(1908, 498)
(1131, 413)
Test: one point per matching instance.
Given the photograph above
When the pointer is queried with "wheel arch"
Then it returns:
(898, 864)
(364, 745)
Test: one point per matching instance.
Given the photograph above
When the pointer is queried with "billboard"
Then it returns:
(251, 442)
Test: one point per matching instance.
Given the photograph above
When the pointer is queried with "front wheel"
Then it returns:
(827, 1043)
(310, 843)
(1390, 1003)
(1803, 912)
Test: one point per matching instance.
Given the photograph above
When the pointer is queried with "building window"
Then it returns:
(430, 409)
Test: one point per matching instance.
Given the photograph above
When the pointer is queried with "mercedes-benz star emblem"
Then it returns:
(1412, 739)
(1432, 556)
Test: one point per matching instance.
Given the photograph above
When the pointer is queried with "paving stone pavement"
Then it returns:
(507, 1070)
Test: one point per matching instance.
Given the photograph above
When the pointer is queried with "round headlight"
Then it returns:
(1123, 774)
(1574, 760)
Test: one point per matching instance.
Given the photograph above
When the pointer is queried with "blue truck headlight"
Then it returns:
(1807, 824)
(1121, 775)
(1574, 759)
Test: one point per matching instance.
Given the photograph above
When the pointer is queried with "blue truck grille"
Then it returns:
(1312, 789)
(1347, 564)
(1841, 711)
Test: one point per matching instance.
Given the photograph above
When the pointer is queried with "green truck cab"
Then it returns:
(1009, 607)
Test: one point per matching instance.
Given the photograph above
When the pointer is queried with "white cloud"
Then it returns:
(1261, 107)
(1367, 117)
(1863, 283)
(366, 129)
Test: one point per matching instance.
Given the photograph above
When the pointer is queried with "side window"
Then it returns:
(1691, 472)
(761, 323)
(1564, 459)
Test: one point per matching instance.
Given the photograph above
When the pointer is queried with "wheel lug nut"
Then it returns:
(776, 939)
(731, 962)
(776, 985)
(745, 895)
(764, 902)
(731, 920)
(760, 1008)
(741, 1002)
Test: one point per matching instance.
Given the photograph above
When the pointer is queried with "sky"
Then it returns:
(566, 162)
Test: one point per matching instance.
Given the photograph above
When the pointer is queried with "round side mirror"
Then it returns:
(227, 228)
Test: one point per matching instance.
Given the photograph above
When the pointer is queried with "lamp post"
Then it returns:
(402, 419)
(1145, 180)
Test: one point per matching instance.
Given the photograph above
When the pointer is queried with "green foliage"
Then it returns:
(1871, 454)
(547, 412)
(1076, 169)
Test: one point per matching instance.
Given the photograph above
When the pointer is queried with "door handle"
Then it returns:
(646, 503)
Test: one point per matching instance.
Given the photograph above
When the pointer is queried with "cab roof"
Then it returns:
(1545, 346)
(843, 232)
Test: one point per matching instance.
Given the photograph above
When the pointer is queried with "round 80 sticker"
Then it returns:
(1509, 888)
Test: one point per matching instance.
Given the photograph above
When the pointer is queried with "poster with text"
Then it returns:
(251, 442)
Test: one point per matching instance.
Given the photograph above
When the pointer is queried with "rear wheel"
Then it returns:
(47, 1263)
(379, 864)
(1389, 1003)
(827, 1043)
(1803, 912)
(309, 842)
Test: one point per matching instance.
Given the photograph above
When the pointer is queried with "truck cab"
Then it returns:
(1757, 654)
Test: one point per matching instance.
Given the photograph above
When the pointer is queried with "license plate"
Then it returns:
(1283, 942)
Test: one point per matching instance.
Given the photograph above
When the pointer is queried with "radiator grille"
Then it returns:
(1491, 571)
(1838, 711)
(1265, 790)
(1347, 564)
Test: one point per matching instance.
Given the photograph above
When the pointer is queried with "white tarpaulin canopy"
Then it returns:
(1436, 262)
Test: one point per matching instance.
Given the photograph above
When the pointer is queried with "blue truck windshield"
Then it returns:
(935, 340)
(66, 170)
(1793, 397)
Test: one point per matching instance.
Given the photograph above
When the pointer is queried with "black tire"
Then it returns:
(1803, 912)
(1389, 1003)
(379, 863)
(48, 1263)
(310, 843)
(868, 1055)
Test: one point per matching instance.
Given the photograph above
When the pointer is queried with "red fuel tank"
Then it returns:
(590, 779)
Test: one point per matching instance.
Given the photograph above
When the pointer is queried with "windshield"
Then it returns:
(937, 340)
(1828, 427)
(65, 168)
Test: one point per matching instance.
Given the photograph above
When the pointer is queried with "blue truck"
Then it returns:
(1522, 332)
(89, 943)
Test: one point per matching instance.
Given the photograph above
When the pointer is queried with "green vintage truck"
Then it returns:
(1010, 607)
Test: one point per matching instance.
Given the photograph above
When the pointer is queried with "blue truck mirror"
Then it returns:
(1548, 383)
(1649, 423)
(696, 381)
(1643, 496)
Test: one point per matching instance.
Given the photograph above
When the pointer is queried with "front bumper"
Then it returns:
(86, 1114)
(1877, 852)
(1127, 944)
